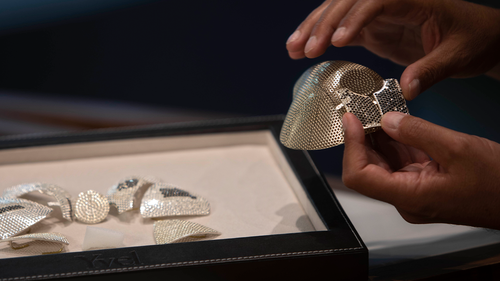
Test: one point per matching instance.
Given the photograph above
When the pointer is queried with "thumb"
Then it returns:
(418, 133)
(437, 65)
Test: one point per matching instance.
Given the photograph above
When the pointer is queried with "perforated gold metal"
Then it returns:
(37, 243)
(91, 207)
(325, 92)
(16, 215)
(124, 195)
(164, 200)
(62, 196)
(180, 231)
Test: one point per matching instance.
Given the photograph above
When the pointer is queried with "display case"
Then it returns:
(278, 217)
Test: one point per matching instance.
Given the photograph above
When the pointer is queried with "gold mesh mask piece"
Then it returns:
(329, 89)
(124, 195)
(180, 231)
(16, 215)
(165, 200)
(37, 243)
(62, 196)
(91, 207)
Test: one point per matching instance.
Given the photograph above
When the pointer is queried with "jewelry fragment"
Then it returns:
(91, 207)
(16, 215)
(61, 195)
(124, 195)
(325, 92)
(180, 231)
(47, 238)
(163, 199)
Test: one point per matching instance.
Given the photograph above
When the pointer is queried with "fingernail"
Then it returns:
(344, 124)
(293, 37)
(339, 33)
(311, 44)
(391, 120)
(414, 88)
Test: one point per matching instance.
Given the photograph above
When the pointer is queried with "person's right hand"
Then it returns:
(428, 172)
(435, 38)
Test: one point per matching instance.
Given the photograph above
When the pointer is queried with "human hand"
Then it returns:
(429, 173)
(436, 39)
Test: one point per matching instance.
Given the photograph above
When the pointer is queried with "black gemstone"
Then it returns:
(127, 184)
(10, 208)
(171, 192)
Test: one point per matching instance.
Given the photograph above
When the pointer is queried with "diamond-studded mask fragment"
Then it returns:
(163, 199)
(179, 231)
(124, 195)
(91, 207)
(62, 196)
(325, 92)
(17, 215)
(37, 243)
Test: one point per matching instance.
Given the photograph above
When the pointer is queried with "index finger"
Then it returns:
(296, 41)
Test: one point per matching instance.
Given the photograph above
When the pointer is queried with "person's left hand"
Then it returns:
(428, 172)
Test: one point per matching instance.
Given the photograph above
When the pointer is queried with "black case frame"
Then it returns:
(338, 252)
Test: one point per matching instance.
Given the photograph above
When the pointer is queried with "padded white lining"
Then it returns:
(101, 238)
(252, 189)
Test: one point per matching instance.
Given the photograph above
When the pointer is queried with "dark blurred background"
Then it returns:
(75, 64)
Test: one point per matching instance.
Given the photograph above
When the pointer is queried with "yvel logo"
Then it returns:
(98, 261)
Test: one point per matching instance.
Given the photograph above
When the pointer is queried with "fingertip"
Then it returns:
(406, 78)
(433, 67)
(313, 48)
(311, 44)
(414, 88)
(345, 121)
(296, 46)
(296, 55)
(390, 123)
(296, 42)
(316, 46)
(410, 84)
(339, 37)
(353, 129)
(430, 138)
(314, 54)
(293, 37)
(391, 120)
